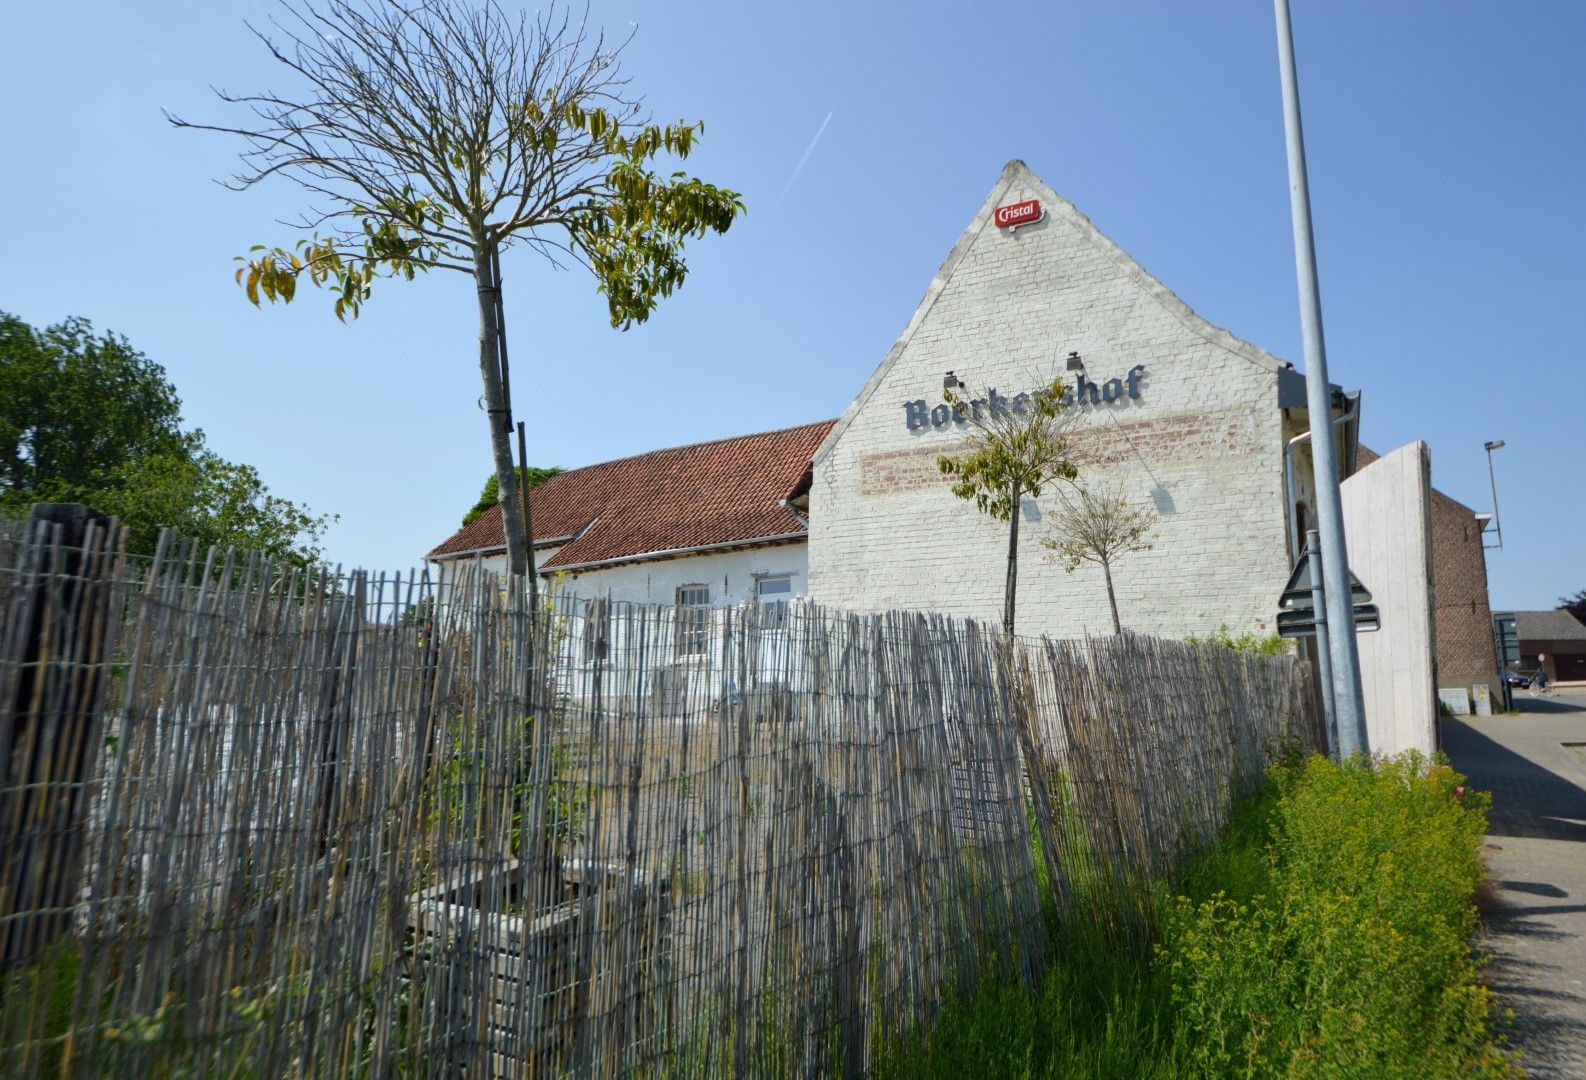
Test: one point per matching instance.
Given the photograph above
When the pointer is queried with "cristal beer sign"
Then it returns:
(1013, 215)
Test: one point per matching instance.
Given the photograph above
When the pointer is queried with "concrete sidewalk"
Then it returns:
(1536, 854)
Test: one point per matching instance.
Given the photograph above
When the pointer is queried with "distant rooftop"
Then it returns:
(1556, 625)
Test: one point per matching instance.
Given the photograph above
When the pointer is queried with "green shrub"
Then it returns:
(1326, 934)
(1355, 960)
(1249, 641)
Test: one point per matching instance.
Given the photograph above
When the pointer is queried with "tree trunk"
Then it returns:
(528, 522)
(1112, 600)
(496, 408)
(1012, 587)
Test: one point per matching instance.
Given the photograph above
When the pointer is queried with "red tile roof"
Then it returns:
(688, 496)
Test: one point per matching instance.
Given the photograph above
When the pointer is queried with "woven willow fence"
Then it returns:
(256, 822)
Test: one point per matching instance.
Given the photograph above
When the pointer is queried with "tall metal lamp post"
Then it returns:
(1348, 701)
(1497, 521)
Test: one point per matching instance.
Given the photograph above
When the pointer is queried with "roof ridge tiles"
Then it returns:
(694, 445)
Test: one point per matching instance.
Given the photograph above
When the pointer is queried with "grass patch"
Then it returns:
(36, 1004)
(1327, 933)
(1098, 1013)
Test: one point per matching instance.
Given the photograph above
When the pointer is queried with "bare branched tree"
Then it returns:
(1099, 526)
(1017, 448)
(440, 133)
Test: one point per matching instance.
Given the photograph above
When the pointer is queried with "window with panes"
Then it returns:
(693, 618)
(773, 593)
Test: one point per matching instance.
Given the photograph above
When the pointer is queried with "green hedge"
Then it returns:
(1353, 957)
(1327, 934)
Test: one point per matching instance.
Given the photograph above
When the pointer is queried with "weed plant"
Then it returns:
(1326, 933)
(1249, 641)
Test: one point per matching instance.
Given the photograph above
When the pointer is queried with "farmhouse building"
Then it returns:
(1175, 413)
(707, 525)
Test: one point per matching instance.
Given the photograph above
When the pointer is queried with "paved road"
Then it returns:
(1536, 853)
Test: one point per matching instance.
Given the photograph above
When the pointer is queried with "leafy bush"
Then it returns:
(1354, 959)
(533, 476)
(1249, 641)
(1326, 934)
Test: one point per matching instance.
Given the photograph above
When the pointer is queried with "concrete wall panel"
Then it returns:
(1388, 521)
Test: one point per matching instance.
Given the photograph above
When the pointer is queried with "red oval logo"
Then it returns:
(1020, 213)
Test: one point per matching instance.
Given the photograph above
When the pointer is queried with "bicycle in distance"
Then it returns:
(1540, 685)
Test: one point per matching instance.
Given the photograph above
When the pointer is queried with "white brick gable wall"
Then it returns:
(1204, 442)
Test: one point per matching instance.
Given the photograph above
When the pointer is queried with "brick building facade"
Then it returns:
(1178, 414)
(1557, 635)
(1466, 651)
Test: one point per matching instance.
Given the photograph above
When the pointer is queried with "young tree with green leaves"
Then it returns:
(87, 418)
(1016, 448)
(1099, 526)
(439, 134)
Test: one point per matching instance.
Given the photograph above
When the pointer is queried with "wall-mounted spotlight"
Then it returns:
(951, 382)
(1075, 363)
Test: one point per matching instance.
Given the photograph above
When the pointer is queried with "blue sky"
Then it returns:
(1448, 174)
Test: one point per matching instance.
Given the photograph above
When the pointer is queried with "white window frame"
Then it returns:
(693, 620)
(776, 608)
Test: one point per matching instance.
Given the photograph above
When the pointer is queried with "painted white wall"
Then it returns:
(1203, 443)
(446, 571)
(730, 575)
(1388, 528)
(693, 682)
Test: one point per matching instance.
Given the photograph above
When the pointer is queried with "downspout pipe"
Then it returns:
(1324, 663)
(1295, 547)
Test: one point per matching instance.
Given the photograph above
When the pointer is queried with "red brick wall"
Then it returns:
(1465, 647)
(1209, 433)
(1565, 659)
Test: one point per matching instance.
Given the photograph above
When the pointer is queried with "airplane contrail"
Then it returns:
(808, 150)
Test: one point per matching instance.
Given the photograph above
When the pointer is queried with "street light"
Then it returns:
(1349, 703)
(1497, 522)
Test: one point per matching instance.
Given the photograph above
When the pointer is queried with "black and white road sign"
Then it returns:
(1297, 593)
(1302, 623)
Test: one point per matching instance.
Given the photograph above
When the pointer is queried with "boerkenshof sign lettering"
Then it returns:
(919, 413)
